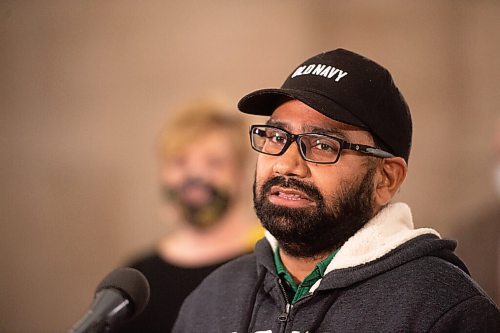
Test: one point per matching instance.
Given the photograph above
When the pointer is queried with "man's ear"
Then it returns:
(391, 174)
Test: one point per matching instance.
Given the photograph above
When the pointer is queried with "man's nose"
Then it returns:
(291, 163)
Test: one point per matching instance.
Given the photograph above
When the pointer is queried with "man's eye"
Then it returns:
(278, 138)
(325, 146)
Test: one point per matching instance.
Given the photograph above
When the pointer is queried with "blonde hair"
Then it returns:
(191, 122)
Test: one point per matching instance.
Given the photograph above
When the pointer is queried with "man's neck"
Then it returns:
(300, 268)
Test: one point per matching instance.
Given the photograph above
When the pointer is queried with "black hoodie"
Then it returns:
(388, 277)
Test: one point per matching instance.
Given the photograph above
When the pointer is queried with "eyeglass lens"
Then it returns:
(313, 147)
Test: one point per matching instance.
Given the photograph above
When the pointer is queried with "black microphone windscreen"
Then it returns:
(132, 283)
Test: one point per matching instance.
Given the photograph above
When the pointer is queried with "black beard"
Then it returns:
(313, 231)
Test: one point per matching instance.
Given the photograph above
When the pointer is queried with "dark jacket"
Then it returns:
(418, 286)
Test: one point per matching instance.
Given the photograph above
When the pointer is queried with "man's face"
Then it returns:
(201, 180)
(311, 208)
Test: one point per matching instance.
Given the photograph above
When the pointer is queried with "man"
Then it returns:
(205, 203)
(338, 255)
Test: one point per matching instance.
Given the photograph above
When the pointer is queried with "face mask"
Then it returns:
(199, 215)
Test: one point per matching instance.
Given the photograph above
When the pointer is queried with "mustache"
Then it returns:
(292, 183)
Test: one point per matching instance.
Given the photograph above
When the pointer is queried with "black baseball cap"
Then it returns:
(346, 87)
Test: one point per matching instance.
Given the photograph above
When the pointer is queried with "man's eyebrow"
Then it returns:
(322, 130)
(276, 123)
(311, 129)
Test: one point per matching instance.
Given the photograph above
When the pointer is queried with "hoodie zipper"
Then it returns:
(283, 317)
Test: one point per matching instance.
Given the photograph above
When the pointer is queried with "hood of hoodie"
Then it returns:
(388, 240)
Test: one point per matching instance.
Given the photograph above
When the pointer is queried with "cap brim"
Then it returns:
(263, 103)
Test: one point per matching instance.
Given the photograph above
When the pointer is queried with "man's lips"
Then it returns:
(289, 197)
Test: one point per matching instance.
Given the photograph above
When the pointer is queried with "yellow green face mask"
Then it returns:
(199, 214)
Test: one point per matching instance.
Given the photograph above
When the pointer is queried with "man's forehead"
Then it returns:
(290, 121)
(305, 127)
(297, 117)
(311, 125)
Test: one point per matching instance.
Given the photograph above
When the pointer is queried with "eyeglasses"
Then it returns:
(314, 147)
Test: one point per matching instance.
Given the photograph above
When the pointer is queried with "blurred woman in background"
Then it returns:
(203, 159)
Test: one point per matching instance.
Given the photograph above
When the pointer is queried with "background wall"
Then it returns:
(85, 86)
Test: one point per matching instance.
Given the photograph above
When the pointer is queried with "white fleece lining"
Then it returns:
(390, 228)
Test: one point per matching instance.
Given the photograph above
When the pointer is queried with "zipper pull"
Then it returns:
(284, 315)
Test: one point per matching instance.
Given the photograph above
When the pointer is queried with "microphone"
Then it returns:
(121, 295)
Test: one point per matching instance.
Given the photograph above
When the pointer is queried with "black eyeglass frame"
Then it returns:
(291, 138)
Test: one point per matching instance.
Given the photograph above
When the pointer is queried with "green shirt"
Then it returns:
(297, 292)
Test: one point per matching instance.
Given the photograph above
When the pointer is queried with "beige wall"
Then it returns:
(85, 85)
